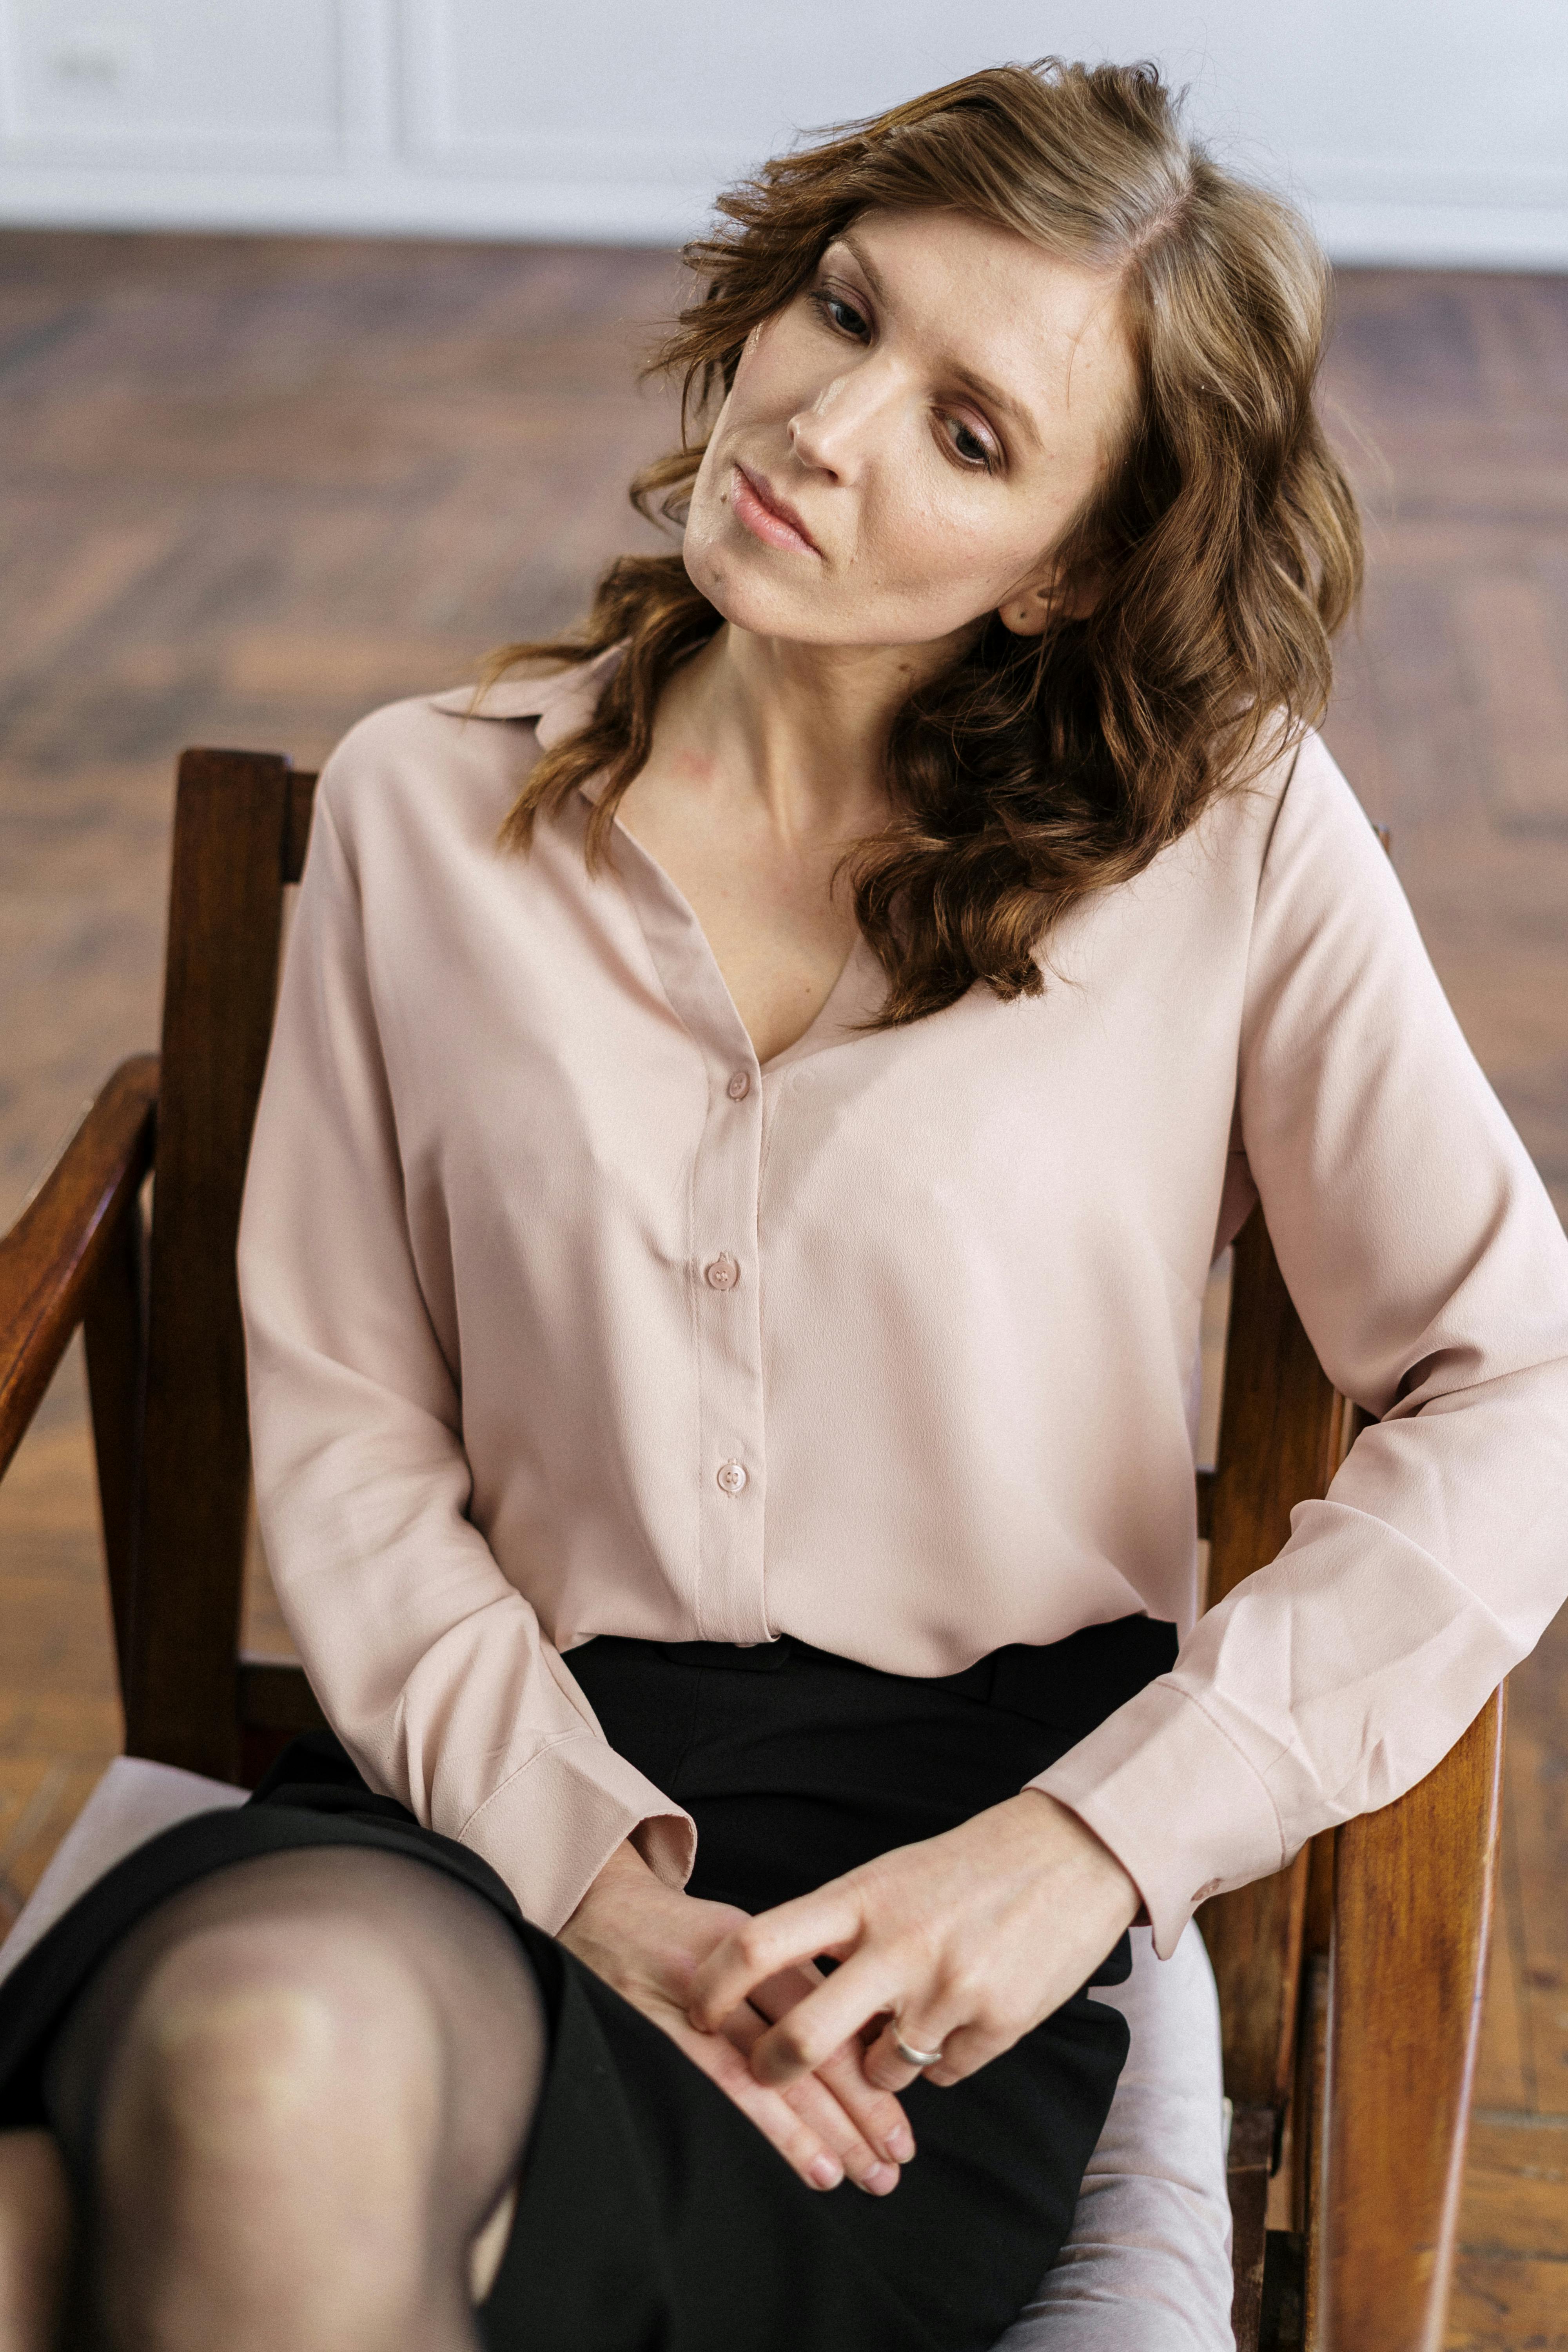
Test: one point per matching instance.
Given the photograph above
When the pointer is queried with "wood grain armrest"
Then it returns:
(53, 1255)
(1413, 1900)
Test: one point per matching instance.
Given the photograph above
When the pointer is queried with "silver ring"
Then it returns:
(921, 2058)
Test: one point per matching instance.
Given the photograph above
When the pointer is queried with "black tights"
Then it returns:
(292, 2086)
(290, 2101)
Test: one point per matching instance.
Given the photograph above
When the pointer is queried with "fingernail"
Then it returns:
(899, 2144)
(880, 2178)
(826, 2171)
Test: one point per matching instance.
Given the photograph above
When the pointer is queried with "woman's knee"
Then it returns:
(268, 2047)
(269, 2131)
(296, 2089)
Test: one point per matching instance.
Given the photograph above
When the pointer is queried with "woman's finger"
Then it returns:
(868, 2166)
(801, 2146)
(876, 2113)
(792, 1934)
(965, 2051)
(810, 2033)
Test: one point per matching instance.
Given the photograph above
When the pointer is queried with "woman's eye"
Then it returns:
(840, 314)
(967, 445)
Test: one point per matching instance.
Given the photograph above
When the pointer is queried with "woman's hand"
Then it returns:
(648, 1941)
(961, 1944)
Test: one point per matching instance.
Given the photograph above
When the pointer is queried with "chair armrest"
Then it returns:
(54, 1252)
(1413, 1885)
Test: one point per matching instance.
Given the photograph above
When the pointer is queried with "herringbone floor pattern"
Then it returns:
(251, 488)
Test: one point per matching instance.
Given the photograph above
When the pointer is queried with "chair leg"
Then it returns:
(1248, 2168)
(1284, 2292)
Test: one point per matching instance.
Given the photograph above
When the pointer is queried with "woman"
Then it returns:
(752, 1112)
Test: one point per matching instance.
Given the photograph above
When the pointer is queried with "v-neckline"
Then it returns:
(809, 1040)
(817, 1019)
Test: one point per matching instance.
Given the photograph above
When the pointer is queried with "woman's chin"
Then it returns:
(762, 607)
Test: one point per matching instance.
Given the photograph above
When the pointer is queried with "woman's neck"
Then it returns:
(803, 728)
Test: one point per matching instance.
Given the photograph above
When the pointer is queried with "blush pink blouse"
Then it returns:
(567, 1317)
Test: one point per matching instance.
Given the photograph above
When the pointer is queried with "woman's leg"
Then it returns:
(292, 2099)
(35, 2239)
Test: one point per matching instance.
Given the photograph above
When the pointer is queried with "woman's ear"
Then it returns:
(1028, 611)
(1031, 607)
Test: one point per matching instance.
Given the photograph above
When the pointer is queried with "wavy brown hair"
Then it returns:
(1223, 546)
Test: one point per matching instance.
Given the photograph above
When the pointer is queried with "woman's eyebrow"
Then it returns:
(994, 397)
(970, 378)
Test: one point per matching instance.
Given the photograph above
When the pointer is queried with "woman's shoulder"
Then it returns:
(1291, 801)
(456, 751)
(1316, 825)
(1282, 855)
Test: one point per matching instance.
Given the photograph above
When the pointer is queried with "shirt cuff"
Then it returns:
(550, 1830)
(1175, 1800)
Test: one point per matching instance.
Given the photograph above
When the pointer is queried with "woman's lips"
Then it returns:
(766, 516)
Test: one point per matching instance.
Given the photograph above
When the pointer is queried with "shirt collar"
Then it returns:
(560, 702)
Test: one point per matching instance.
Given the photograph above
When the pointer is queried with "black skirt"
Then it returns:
(653, 2217)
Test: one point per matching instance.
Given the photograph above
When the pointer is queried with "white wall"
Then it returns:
(1420, 131)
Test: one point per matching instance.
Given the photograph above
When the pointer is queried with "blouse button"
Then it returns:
(732, 1476)
(722, 1273)
(740, 1086)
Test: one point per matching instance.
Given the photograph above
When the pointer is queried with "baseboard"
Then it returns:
(402, 203)
(1443, 237)
(365, 203)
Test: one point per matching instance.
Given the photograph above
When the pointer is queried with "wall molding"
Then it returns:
(661, 208)
(1356, 231)
(364, 202)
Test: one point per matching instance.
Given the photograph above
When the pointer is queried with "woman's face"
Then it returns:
(906, 441)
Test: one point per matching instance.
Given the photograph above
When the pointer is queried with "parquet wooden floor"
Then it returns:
(252, 486)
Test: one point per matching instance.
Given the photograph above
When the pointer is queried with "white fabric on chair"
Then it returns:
(132, 1804)
(1147, 2266)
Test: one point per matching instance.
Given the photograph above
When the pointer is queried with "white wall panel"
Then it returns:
(1411, 129)
(1380, 98)
(160, 80)
(496, 89)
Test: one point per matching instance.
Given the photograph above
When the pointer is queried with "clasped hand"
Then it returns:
(962, 1942)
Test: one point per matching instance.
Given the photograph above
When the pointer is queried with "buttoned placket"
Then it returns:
(728, 1446)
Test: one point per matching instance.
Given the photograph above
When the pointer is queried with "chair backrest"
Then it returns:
(242, 820)
(1284, 1431)
(1414, 1879)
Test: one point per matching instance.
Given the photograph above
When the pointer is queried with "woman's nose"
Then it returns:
(814, 441)
(831, 437)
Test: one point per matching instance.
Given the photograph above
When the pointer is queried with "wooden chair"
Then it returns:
(1349, 1985)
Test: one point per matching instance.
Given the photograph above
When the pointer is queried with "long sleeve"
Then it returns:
(1431, 1274)
(568, 1318)
(429, 1663)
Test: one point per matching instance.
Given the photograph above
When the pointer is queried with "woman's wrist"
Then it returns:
(624, 1867)
(1109, 1879)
